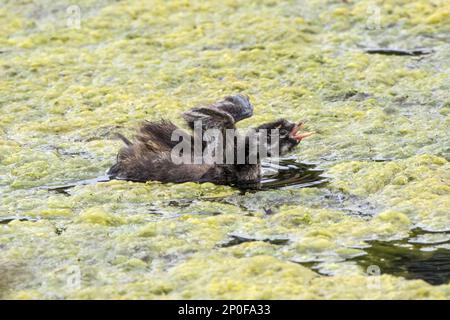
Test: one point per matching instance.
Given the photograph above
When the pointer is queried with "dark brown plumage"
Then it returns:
(148, 157)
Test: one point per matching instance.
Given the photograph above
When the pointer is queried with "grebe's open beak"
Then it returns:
(299, 136)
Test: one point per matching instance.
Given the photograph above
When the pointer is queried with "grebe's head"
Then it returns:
(283, 134)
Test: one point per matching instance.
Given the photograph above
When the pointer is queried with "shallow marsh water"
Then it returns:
(375, 229)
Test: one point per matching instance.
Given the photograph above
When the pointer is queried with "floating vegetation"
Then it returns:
(352, 196)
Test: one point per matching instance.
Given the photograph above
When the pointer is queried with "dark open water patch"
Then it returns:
(286, 173)
(411, 261)
(289, 172)
(427, 261)
(8, 219)
(236, 239)
(62, 189)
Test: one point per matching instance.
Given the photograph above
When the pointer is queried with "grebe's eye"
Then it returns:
(283, 132)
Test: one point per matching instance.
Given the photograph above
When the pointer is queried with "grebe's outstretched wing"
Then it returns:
(221, 115)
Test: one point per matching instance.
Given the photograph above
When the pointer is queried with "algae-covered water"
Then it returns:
(360, 210)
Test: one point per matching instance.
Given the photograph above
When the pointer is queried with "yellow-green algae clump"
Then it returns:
(382, 135)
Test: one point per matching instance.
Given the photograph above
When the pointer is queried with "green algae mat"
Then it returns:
(73, 76)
